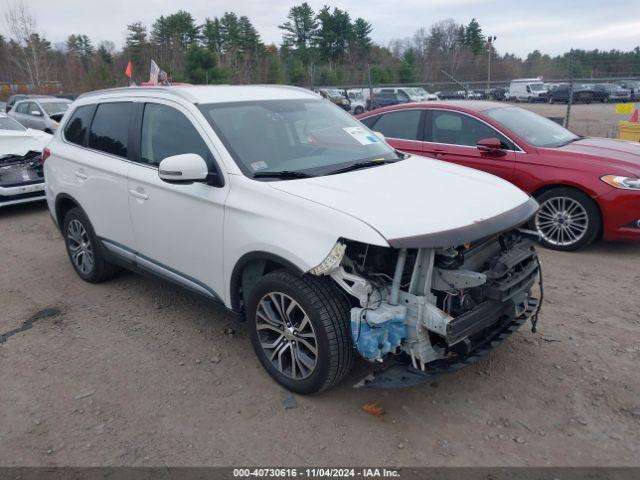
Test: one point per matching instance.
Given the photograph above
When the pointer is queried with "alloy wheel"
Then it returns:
(286, 335)
(80, 247)
(562, 221)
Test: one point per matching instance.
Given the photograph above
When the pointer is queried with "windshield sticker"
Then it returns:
(259, 165)
(361, 135)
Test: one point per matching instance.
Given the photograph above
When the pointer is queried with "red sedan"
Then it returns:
(587, 187)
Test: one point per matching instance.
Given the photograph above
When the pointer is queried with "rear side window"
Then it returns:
(167, 132)
(78, 124)
(370, 121)
(22, 107)
(109, 131)
(402, 124)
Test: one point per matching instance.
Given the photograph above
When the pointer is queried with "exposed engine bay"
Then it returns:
(21, 178)
(424, 306)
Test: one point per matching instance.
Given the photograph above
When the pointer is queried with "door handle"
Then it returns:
(80, 175)
(139, 194)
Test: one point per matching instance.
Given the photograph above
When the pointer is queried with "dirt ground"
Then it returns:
(595, 119)
(137, 372)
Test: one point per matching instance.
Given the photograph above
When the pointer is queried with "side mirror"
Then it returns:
(492, 146)
(185, 168)
(36, 113)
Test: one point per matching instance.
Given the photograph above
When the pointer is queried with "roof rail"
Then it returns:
(135, 89)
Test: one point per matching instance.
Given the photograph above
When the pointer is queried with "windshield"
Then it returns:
(302, 135)
(7, 123)
(54, 107)
(334, 93)
(533, 128)
(536, 87)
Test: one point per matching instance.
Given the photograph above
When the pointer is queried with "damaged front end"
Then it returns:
(21, 178)
(420, 312)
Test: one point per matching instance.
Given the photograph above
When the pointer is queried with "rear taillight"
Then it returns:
(46, 153)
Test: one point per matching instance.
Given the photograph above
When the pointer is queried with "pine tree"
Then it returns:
(300, 31)
(136, 47)
(473, 37)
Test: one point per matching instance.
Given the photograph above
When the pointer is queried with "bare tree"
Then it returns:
(29, 51)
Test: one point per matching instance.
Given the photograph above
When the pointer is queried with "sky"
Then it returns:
(552, 27)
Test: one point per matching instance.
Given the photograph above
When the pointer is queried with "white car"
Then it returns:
(357, 100)
(290, 212)
(40, 113)
(415, 94)
(21, 177)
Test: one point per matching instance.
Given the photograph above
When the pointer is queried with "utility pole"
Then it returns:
(570, 99)
(490, 41)
(371, 107)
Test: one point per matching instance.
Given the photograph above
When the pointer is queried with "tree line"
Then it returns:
(325, 47)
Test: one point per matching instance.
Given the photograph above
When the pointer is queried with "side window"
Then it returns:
(402, 124)
(22, 107)
(457, 129)
(167, 132)
(370, 121)
(76, 129)
(33, 107)
(109, 130)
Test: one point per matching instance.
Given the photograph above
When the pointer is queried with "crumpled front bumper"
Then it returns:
(396, 374)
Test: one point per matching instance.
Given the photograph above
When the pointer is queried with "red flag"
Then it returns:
(129, 71)
(634, 117)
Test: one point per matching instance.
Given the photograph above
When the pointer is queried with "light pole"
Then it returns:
(490, 41)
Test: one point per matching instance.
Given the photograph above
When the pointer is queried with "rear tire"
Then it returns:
(567, 220)
(358, 110)
(299, 328)
(85, 251)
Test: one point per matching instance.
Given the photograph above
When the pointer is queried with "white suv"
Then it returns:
(278, 204)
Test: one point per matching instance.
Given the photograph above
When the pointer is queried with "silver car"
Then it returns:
(40, 113)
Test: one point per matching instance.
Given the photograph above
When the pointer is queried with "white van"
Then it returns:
(527, 90)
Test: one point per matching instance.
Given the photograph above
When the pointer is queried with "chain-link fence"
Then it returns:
(587, 106)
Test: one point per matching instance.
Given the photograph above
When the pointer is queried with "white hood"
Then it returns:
(420, 202)
(16, 142)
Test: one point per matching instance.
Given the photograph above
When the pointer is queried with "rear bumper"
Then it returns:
(621, 214)
(395, 373)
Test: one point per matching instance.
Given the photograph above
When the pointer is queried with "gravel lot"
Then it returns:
(137, 372)
(595, 119)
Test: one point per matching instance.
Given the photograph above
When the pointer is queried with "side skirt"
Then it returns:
(135, 261)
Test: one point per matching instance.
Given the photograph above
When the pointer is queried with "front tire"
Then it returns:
(85, 252)
(567, 220)
(358, 110)
(299, 328)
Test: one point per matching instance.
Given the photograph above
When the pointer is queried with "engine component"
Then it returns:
(378, 332)
(456, 279)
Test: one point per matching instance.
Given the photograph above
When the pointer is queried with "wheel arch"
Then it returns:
(63, 204)
(249, 269)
